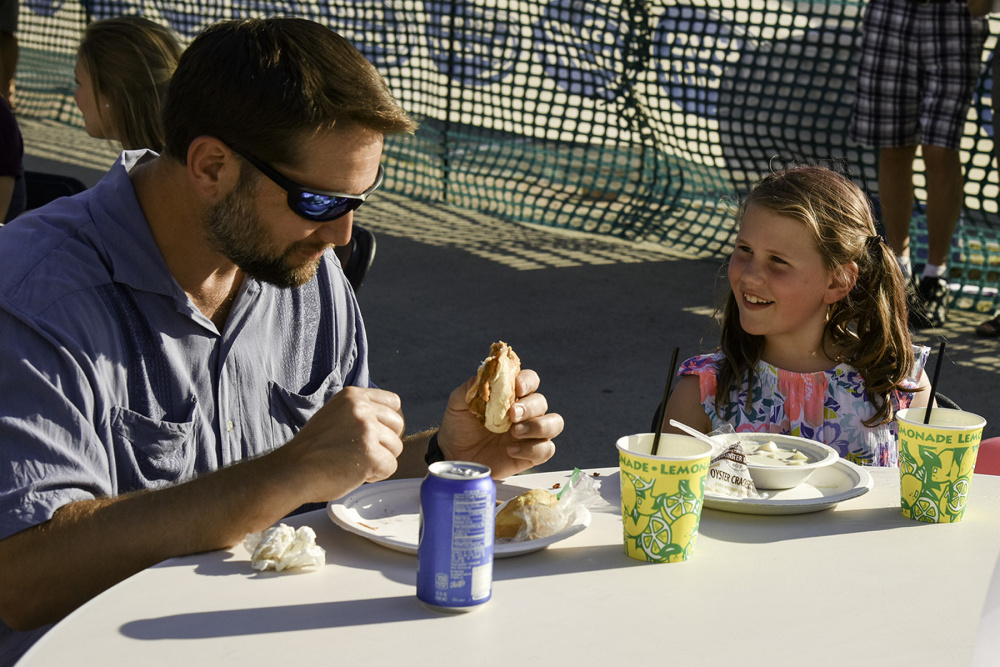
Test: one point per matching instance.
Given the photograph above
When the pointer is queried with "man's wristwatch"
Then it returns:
(434, 453)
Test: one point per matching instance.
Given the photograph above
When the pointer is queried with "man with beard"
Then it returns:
(183, 360)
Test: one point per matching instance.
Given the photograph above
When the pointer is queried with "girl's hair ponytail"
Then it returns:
(871, 323)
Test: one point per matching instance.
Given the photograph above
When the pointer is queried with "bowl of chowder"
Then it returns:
(777, 461)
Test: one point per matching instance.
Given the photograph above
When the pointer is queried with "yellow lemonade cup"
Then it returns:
(662, 495)
(936, 462)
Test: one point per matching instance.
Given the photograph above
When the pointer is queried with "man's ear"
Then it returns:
(212, 168)
(842, 281)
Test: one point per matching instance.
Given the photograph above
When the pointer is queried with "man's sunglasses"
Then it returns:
(311, 204)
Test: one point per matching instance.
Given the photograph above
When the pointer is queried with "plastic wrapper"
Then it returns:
(282, 547)
(539, 520)
(728, 475)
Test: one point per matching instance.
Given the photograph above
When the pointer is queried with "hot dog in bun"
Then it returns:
(493, 394)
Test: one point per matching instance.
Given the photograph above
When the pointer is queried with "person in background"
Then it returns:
(183, 360)
(991, 327)
(814, 339)
(12, 193)
(9, 50)
(919, 65)
(123, 68)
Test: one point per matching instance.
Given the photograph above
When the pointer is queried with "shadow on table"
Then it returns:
(225, 564)
(762, 529)
(349, 613)
(270, 620)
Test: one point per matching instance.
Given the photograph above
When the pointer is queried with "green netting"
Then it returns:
(642, 120)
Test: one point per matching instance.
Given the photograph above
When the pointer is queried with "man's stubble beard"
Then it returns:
(234, 229)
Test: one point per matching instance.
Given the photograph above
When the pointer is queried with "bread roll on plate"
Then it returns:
(534, 509)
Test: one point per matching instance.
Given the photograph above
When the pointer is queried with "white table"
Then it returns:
(855, 585)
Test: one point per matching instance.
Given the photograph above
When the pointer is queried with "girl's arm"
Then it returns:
(684, 405)
(923, 395)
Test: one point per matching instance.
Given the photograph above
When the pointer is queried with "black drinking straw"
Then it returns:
(663, 402)
(934, 383)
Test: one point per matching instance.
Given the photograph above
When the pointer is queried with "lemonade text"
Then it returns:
(968, 438)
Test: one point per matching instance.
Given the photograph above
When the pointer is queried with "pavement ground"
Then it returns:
(596, 317)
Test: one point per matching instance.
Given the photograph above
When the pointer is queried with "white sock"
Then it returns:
(934, 270)
(905, 266)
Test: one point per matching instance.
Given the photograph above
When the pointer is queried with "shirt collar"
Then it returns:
(135, 259)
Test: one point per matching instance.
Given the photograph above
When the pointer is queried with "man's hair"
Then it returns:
(264, 85)
(130, 60)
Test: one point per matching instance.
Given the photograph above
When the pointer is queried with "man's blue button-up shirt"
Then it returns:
(111, 380)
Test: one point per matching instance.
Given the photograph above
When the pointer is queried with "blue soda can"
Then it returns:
(455, 552)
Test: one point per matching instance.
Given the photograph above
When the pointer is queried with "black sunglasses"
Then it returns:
(311, 204)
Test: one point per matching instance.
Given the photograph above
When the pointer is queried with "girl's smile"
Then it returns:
(755, 301)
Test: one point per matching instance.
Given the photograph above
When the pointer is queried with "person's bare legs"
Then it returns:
(895, 192)
(944, 200)
(8, 65)
(943, 169)
(991, 327)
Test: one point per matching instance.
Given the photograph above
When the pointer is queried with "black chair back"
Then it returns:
(41, 188)
(357, 256)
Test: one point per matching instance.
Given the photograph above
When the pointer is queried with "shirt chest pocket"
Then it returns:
(291, 410)
(151, 453)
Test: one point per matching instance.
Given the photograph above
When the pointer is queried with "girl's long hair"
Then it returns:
(868, 327)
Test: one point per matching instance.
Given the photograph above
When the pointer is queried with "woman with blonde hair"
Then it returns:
(123, 68)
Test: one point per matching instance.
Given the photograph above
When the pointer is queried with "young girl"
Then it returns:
(123, 67)
(814, 329)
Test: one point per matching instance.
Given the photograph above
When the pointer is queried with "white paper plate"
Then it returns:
(825, 488)
(388, 513)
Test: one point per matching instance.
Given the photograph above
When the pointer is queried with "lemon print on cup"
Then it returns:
(936, 462)
(662, 496)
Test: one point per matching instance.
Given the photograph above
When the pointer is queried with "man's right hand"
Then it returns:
(88, 546)
(355, 438)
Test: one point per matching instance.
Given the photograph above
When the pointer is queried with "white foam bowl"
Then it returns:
(783, 476)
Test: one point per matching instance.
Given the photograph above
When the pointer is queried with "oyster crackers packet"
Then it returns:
(728, 475)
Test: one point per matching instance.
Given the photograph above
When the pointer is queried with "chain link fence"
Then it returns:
(641, 119)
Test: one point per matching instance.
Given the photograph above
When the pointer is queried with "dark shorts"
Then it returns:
(8, 15)
(917, 73)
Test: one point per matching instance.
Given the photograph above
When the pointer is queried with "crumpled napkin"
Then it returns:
(282, 547)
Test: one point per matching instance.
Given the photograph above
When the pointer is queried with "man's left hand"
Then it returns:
(528, 443)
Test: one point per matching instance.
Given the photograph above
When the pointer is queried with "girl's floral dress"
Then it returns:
(828, 406)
